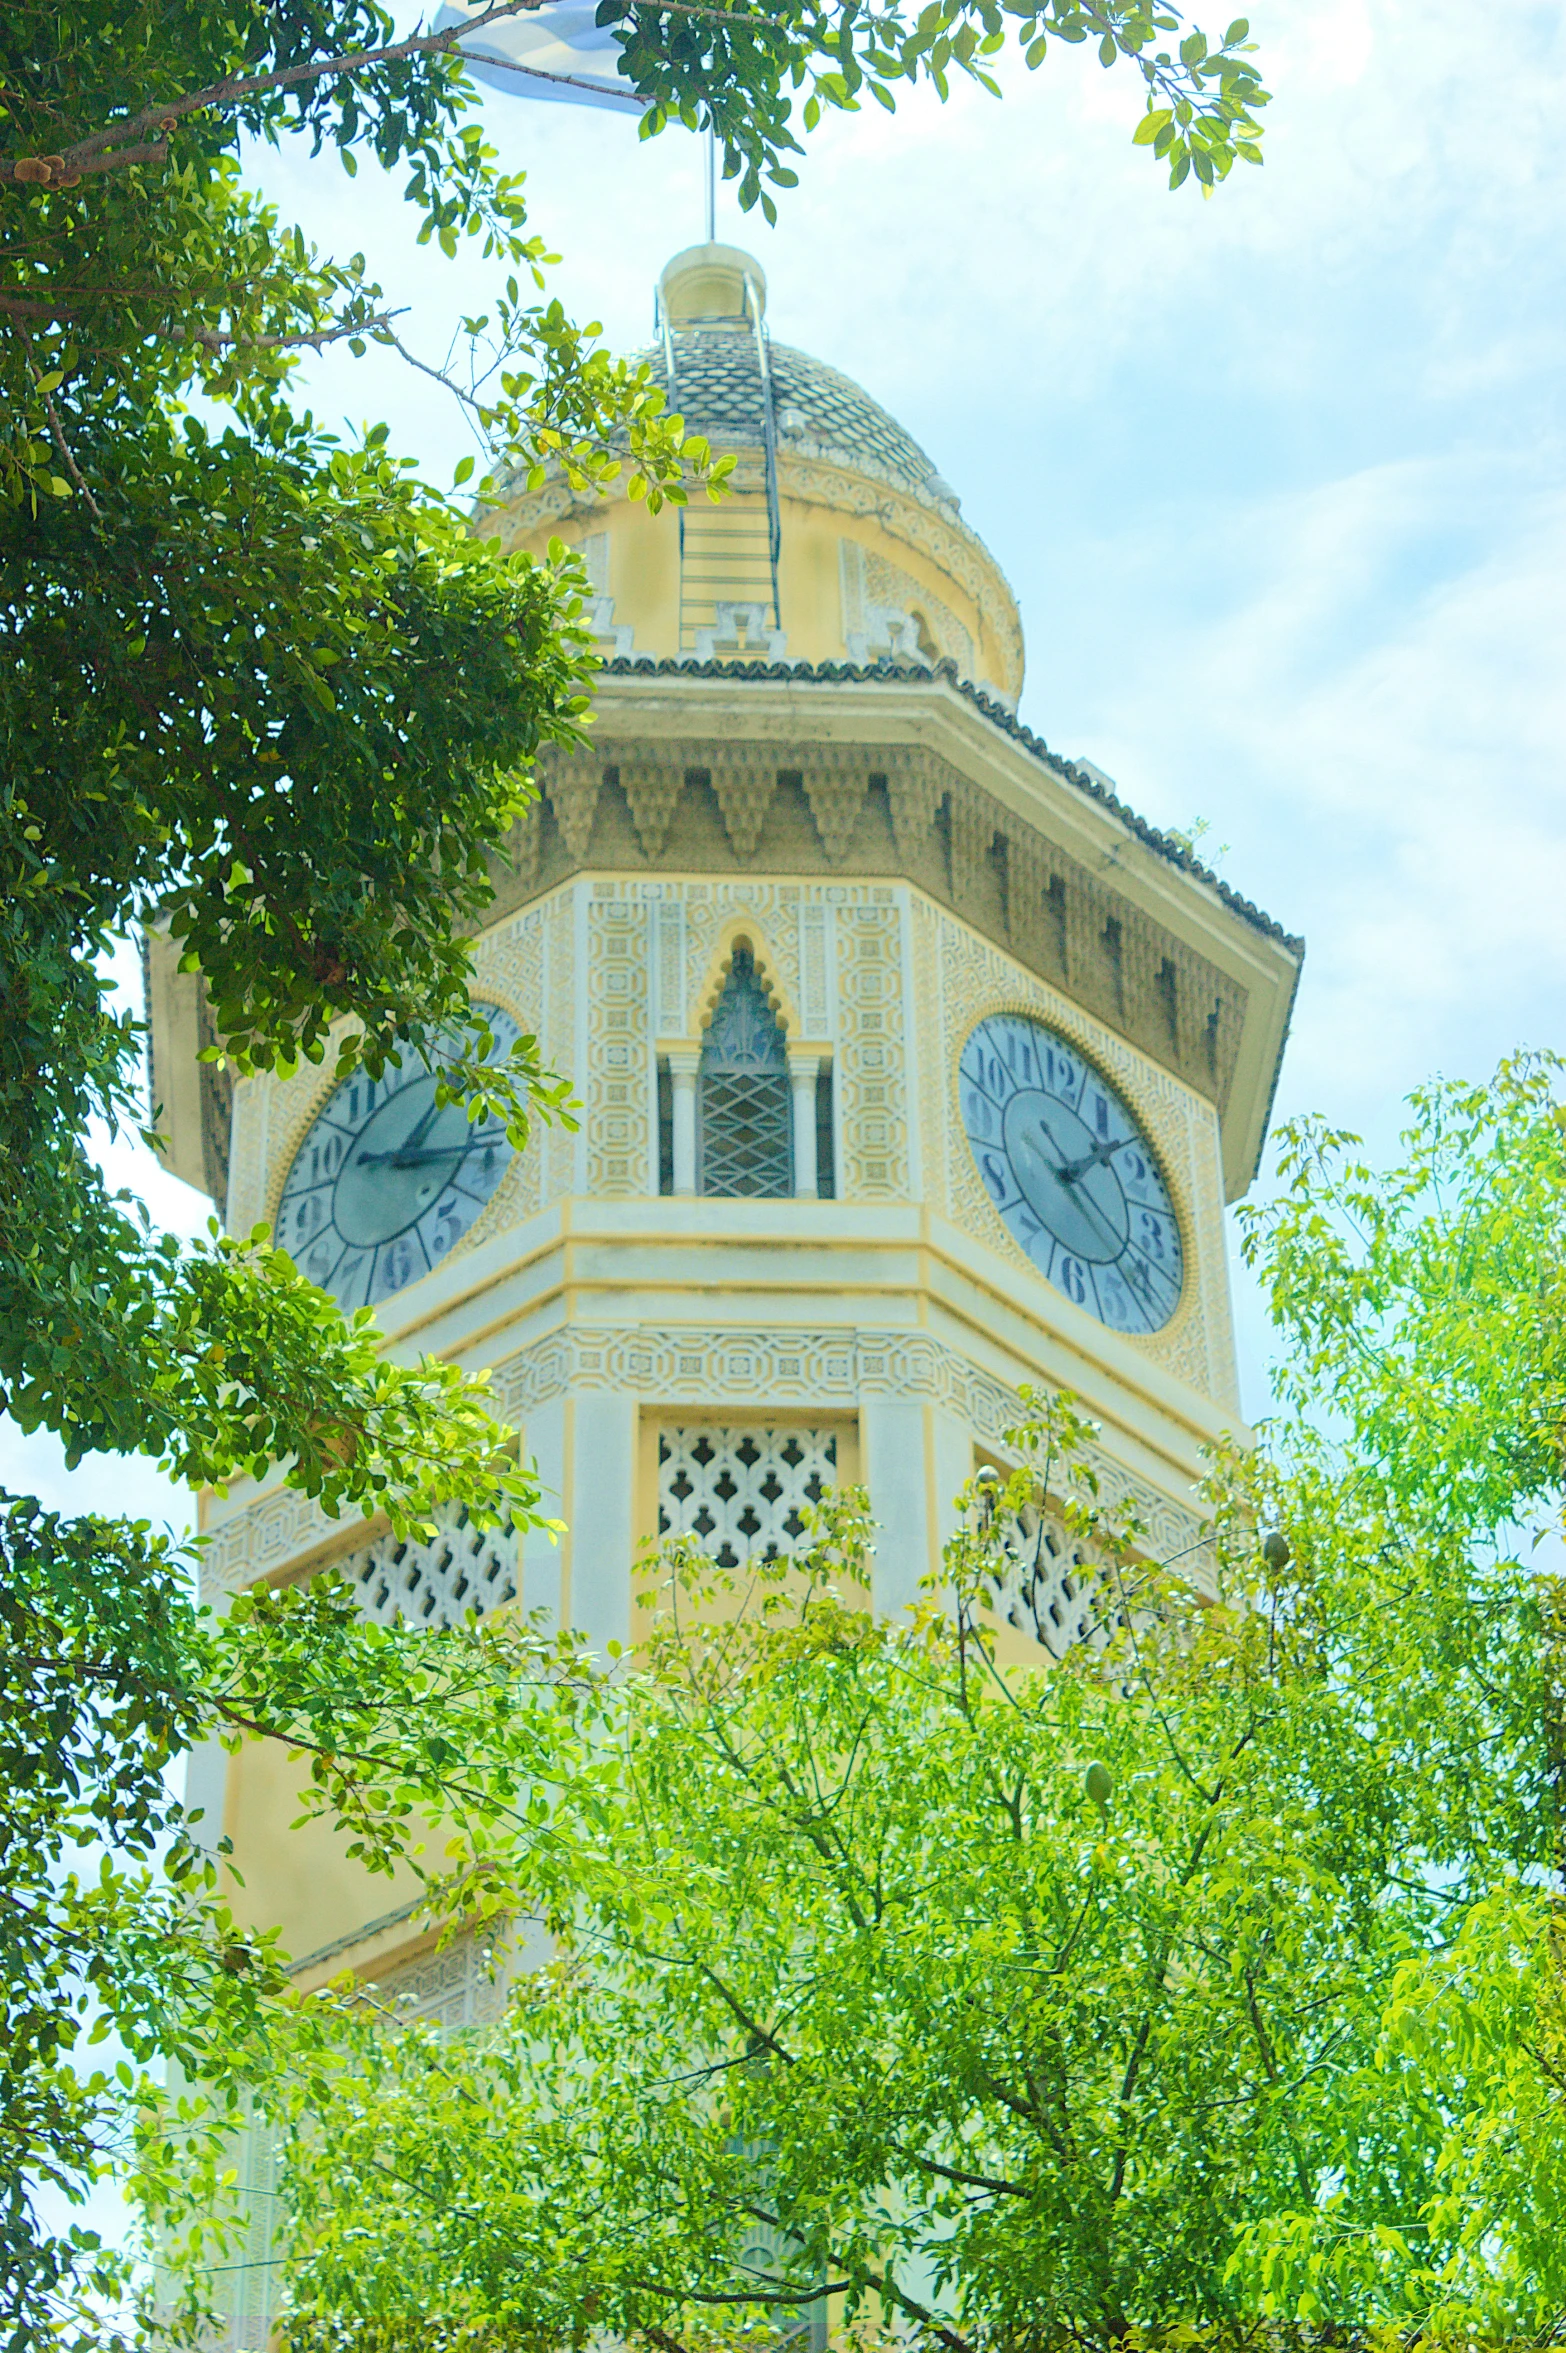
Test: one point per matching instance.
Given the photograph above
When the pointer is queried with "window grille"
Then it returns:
(741, 1492)
(1053, 1589)
(665, 1127)
(744, 1144)
(826, 1158)
(434, 1585)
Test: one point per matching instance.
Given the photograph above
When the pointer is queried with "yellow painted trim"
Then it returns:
(568, 1291)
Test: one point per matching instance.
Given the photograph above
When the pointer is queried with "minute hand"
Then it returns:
(1095, 1157)
(405, 1159)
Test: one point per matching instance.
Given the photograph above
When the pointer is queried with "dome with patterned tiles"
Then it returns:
(717, 365)
(836, 539)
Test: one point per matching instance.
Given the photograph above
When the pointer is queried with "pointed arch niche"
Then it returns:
(746, 1113)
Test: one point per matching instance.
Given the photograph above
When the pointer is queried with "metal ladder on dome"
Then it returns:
(729, 552)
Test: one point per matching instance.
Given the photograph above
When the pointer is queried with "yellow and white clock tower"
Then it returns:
(914, 1066)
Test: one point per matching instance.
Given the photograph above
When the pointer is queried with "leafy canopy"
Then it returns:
(1208, 1978)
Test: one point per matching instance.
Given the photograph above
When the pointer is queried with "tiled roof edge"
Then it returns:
(853, 673)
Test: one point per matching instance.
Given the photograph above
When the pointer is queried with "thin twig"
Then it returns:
(58, 429)
(317, 337)
(438, 374)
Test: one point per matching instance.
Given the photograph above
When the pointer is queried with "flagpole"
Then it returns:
(712, 185)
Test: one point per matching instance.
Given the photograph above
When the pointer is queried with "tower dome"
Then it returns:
(840, 541)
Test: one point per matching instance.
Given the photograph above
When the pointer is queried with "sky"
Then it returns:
(1279, 478)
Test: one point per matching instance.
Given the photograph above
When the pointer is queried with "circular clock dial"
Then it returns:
(1070, 1173)
(387, 1181)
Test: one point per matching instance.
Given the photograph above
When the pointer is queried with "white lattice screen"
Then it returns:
(1053, 1590)
(741, 1492)
(448, 1990)
(434, 1585)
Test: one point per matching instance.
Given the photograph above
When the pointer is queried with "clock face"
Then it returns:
(385, 1182)
(1070, 1173)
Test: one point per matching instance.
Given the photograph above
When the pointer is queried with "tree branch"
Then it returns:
(89, 155)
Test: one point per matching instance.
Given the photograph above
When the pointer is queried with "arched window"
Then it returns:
(743, 1139)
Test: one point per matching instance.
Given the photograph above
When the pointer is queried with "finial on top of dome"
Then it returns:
(716, 284)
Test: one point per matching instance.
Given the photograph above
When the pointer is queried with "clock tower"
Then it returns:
(913, 1066)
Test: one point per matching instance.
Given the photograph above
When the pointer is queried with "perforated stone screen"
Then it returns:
(1054, 1590)
(741, 1492)
(434, 1585)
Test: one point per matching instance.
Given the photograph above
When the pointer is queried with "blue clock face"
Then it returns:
(1070, 1173)
(387, 1181)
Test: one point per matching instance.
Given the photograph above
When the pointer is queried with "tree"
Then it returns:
(264, 688)
(1208, 1978)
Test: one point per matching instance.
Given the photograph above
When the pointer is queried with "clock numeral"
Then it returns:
(1119, 1309)
(997, 1176)
(978, 1115)
(1072, 1278)
(321, 1263)
(1064, 1075)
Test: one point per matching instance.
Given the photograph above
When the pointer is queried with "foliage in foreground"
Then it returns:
(1209, 1979)
(264, 689)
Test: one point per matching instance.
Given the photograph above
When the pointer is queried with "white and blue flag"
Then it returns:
(555, 52)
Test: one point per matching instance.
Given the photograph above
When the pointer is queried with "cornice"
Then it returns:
(904, 675)
(903, 773)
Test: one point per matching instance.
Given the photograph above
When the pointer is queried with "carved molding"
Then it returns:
(744, 778)
(653, 790)
(698, 805)
(573, 779)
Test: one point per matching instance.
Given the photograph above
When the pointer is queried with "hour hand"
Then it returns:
(1095, 1157)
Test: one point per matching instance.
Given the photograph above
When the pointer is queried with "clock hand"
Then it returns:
(1082, 1200)
(412, 1142)
(403, 1158)
(415, 1136)
(1096, 1156)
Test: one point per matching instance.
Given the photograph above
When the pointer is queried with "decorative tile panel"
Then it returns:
(870, 1069)
(666, 944)
(826, 1371)
(275, 1531)
(1053, 1590)
(815, 956)
(614, 1089)
(448, 1989)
